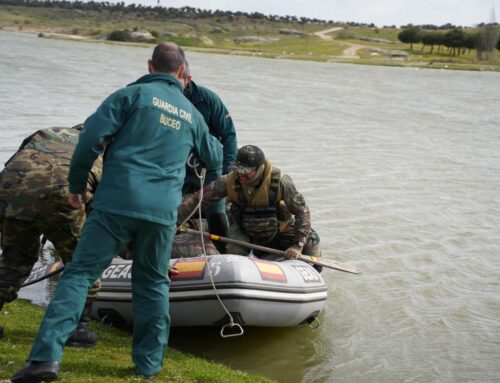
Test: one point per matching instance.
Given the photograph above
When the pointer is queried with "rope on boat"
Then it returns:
(194, 164)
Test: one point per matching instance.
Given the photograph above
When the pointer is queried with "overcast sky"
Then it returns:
(379, 12)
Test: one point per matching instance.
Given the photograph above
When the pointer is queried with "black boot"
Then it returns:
(34, 372)
(83, 337)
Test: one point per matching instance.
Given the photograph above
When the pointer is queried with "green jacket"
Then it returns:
(219, 122)
(148, 129)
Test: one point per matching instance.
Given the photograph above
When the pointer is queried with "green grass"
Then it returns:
(196, 34)
(109, 361)
(390, 34)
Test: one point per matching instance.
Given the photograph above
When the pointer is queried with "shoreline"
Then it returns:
(109, 360)
(391, 62)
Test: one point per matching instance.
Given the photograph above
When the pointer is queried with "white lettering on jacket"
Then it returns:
(170, 122)
(172, 109)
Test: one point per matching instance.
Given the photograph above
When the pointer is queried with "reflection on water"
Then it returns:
(253, 351)
(41, 293)
(400, 168)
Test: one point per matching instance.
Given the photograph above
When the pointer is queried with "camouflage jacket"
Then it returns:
(33, 184)
(294, 201)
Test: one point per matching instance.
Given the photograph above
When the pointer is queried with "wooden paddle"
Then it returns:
(320, 261)
(40, 273)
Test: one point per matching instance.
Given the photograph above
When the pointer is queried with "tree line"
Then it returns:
(185, 12)
(166, 12)
(457, 40)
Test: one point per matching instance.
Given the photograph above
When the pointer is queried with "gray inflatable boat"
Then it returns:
(248, 290)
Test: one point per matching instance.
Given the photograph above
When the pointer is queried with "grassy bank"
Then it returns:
(243, 35)
(108, 362)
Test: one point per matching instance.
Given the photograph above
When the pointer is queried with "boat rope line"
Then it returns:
(193, 163)
(231, 324)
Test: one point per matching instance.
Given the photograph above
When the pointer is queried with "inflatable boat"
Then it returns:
(212, 290)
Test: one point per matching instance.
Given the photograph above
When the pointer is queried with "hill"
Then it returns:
(233, 33)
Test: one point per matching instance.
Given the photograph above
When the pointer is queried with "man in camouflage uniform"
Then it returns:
(34, 202)
(266, 208)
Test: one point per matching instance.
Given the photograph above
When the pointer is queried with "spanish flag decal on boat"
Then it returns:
(270, 271)
(189, 269)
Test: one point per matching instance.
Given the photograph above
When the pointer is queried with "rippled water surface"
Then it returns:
(400, 167)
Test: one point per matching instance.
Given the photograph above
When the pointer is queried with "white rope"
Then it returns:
(194, 163)
(201, 177)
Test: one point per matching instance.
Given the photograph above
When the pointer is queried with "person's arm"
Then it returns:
(223, 129)
(212, 175)
(296, 204)
(95, 174)
(98, 130)
(226, 132)
(206, 147)
(213, 192)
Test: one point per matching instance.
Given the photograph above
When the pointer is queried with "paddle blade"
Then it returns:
(41, 272)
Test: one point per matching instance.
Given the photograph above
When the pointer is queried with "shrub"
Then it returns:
(345, 34)
(123, 35)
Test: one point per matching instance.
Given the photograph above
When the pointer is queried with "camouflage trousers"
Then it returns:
(214, 213)
(190, 245)
(21, 248)
(282, 241)
(185, 246)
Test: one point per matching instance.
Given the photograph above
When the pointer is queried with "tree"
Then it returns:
(455, 39)
(487, 40)
(431, 38)
(409, 35)
(470, 41)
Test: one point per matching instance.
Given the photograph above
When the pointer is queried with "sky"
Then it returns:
(380, 12)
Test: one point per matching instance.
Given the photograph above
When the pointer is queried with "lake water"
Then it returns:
(400, 167)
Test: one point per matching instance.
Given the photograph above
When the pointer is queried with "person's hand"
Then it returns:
(79, 200)
(172, 270)
(87, 196)
(76, 200)
(293, 252)
(182, 229)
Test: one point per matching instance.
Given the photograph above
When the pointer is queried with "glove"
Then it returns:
(182, 229)
(293, 252)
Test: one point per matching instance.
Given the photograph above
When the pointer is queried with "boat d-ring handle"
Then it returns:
(231, 325)
(314, 324)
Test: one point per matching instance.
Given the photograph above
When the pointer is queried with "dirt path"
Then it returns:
(351, 50)
(324, 34)
(206, 40)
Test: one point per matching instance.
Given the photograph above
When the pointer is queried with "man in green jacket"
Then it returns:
(220, 125)
(148, 129)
